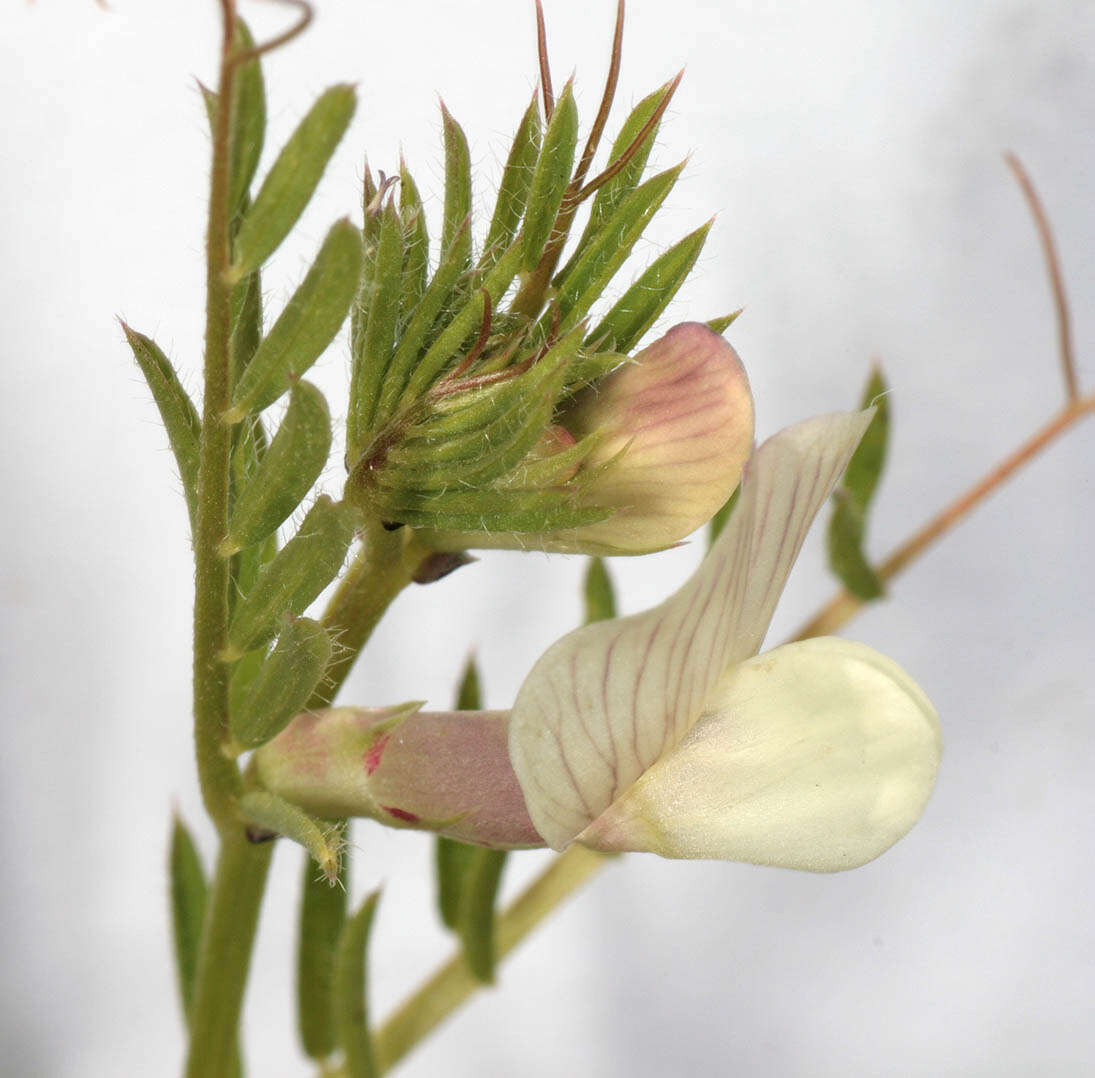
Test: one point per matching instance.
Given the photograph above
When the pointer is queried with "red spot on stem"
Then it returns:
(401, 814)
(374, 752)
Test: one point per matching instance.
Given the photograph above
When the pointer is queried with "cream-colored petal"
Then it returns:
(608, 700)
(816, 756)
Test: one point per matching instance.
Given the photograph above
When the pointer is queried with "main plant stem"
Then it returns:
(218, 775)
(241, 869)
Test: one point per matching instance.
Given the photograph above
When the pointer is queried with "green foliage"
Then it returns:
(611, 193)
(639, 307)
(513, 191)
(180, 417)
(283, 684)
(456, 422)
(598, 592)
(287, 471)
(468, 876)
(350, 993)
(189, 894)
(852, 499)
(322, 917)
(267, 815)
(246, 323)
(592, 272)
(295, 576)
(464, 323)
(550, 178)
(248, 123)
(292, 180)
(457, 189)
(307, 325)
(414, 275)
(379, 310)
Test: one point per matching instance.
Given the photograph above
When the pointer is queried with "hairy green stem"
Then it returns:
(230, 923)
(217, 773)
(385, 566)
(240, 876)
(453, 983)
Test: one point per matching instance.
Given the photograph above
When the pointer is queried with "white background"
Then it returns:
(852, 153)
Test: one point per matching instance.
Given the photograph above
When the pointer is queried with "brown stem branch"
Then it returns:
(1056, 278)
(843, 607)
(609, 95)
(306, 15)
(545, 64)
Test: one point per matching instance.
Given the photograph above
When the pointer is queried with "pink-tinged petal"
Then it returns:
(607, 701)
(447, 772)
(677, 421)
(816, 756)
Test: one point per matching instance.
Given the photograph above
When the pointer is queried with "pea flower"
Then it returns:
(664, 731)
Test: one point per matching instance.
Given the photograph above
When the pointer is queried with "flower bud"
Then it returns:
(676, 427)
(651, 450)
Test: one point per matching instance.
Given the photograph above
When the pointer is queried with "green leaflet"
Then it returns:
(554, 168)
(639, 307)
(250, 448)
(244, 672)
(592, 272)
(851, 501)
(350, 993)
(416, 246)
(614, 191)
(457, 189)
(180, 417)
(297, 574)
(380, 313)
(292, 180)
(246, 323)
(452, 861)
(553, 470)
(247, 126)
(322, 916)
(282, 686)
(307, 325)
(189, 892)
(478, 910)
(422, 320)
(465, 322)
(452, 857)
(599, 595)
(268, 815)
(287, 471)
(488, 451)
(513, 191)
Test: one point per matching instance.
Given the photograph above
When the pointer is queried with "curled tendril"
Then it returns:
(306, 14)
